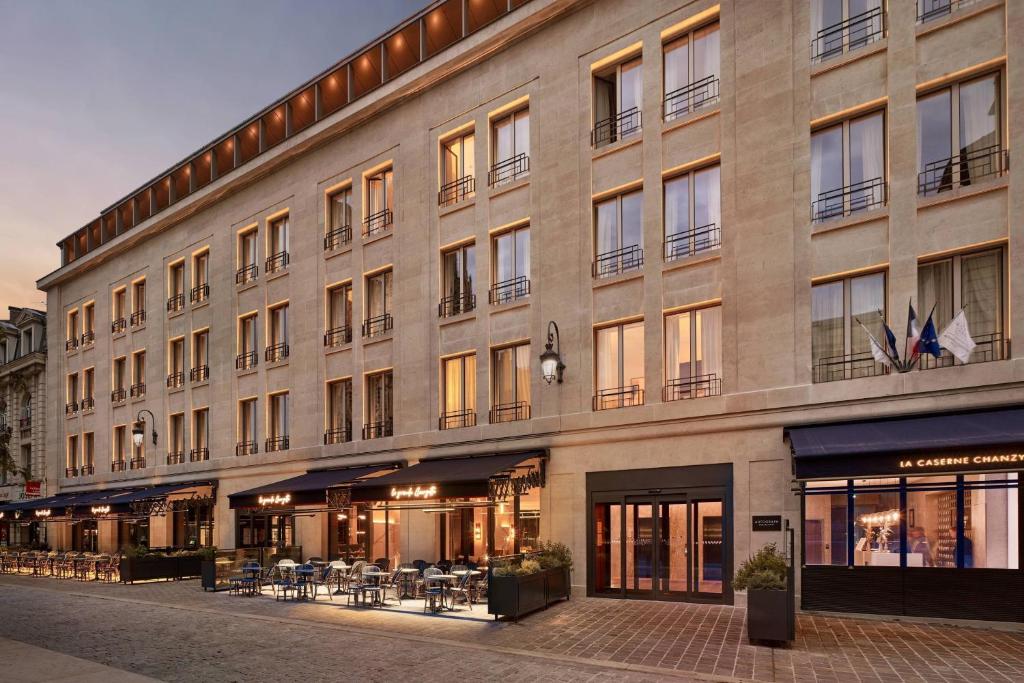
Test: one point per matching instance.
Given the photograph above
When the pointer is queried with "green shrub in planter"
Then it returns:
(765, 570)
(528, 566)
(770, 605)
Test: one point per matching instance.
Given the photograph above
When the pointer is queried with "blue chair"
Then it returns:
(433, 591)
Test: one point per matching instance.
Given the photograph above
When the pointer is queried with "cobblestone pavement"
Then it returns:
(585, 638)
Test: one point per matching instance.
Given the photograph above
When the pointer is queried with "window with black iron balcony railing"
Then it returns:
(618, 235)
(510, 148)
(842, 26)
(691, 72)
(848, 168)
(618, 95)
(619, 366)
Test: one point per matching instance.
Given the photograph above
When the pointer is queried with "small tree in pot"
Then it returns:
(765, 578)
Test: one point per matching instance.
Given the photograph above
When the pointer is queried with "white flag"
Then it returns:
(879, 353)
(956, 338)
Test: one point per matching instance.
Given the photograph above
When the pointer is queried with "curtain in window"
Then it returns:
(677, 346)
(451, 151)
(504, 379)
(341, 209)
(935, 139)
(825, 13)
(677, 65)
(522, 255)
(980, 293)
(826, 321)
(522, 132)
(707, 203)
(631, 96)
(935, 288)
(523, 373)
(709, 341)
(632, 220)
(867, 298)
(608, 358)
(633, 354)
(706, 52)
(677, 205)
(867, 157)
(826, 163)
(979, 125)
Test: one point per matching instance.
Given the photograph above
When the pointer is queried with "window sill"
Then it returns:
(330, 350)
(600, 282)
(200, 383)
(963, 192)
(456, 319)
(334, 253)
(243, 286)
(200, 304)
(71, 352)
(175, 314)
(690, 119)
(119, 335)
(510, 305)
(955, 17)
(617, 146)
(176, 390)
(443, 211)
(246, 372)
(87, 347)
(137, 399)
(498, 190)
(137, 328)
(850, 57)
(277, 274)
(858, 218)
(706, 256)
(88, 411)
(367, 241)
(71, 416)
(370, 341)
(277, 363)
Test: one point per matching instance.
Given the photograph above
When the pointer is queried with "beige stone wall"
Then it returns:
(770, 95)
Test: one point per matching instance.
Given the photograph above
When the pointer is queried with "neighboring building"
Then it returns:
(23, 410)
(705, 197)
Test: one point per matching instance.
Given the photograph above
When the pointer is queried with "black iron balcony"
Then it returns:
(176, 458)
(118, 466)
(962, 169)
(87, 470)
(70, 472)
(175, 380)
(690, 98)
(508, 291)
(456, 190)
(618, 397)
(509, 412)
(118, 326)
(377, 223)
(857, 31)
(137, 390)
(698, 386)
(246, 448)
(246, 360)
(137, 463)
(337, 435)
(849, 366)
(378, 325)
(683, 244)
(457, 419)
(88, 338)
(338, 336)
(508, 170)
(200, 373)
(276, 443)
(377, 430)
(276, 262)
(846, 201)
(118, 396)
(71, 408)
(176, 303)
(338, 238)
(614, 128)
(618, 261)
(275, 353)
(199, 293)
(927, 10)
(246, 274)
(199, 454)
(990, 347)
(71, 344)
(456, 304)
(88, 403)
(137, 318)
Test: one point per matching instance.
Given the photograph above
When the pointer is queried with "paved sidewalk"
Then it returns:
(30, 664)
(652, 638)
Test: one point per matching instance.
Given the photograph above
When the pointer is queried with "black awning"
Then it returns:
(122, 501)
(935, 442)
(445, 477)
(306, 489)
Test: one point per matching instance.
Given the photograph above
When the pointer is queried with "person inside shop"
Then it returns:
(918, 543)
(968, 546)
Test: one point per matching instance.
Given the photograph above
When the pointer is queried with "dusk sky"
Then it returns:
(100, 96)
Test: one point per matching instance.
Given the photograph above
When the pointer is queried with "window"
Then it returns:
(89, 389)
(339, 219)
(378, 405)
(71, 403)
(876, 522)
(138, 459)
(457, 268)
(825, 523)
(618, 235)
(120, 379)
(510, 266)
(989, 536)
(176, 363)
(247, 256)
(510, 389)
(71, 457)
(119, 309)
(693, 354)
(693, 213)
(692, 69)
(27, 345)
(200, 356)
(458, 392)
(277, 334)
(510, 148)
(88, 466)
(378, 304)
(277, 423)
(246, 342)
(839, 26)
(119, 448)
(927, 10)
(176, 286)
(138, 388)
(619, 366)
(71, 335)
(278, 247)
(176, 446)
(247, 444)
(977, 137)
(138, 316)
(618, 99)
(200, 435)
(89, 323)
(200, 277)
(848, 167)
(975, 283)
(339, 411)
(840, 347)
(457, 169)
(339, 315)
(379, 203)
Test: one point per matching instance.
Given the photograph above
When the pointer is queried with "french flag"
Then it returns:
(913, 335)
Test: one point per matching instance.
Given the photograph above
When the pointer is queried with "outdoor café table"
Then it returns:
(307, 576)
(445, 579)
(337, 572)
(408, 579)
(369, 575)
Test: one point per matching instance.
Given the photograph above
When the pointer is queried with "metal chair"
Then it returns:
(461, 589)
(432, 590)
(393, 584)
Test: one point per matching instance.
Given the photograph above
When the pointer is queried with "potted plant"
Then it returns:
(208, 567)
(770, 609)
(529, 583)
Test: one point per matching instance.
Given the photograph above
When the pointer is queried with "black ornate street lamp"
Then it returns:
(551, 365)
(138, 430)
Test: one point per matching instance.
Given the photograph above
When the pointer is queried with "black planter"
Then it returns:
(149, 568)
(208, 569)
(515, 596)
(770, 615)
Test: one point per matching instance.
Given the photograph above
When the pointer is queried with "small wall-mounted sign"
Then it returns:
(422, 492)
(100, 509)
(766, 522)
(276, 499)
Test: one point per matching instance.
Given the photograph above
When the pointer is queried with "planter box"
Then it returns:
(150, 568)
(515, 596)
(209, 574)
(770, 615)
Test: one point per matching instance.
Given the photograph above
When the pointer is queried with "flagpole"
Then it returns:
(917, 354)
